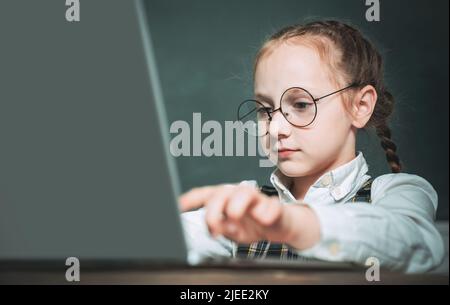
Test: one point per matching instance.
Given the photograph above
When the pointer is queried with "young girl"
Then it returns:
(315, 85)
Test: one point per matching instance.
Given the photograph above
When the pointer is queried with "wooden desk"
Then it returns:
(184, 275)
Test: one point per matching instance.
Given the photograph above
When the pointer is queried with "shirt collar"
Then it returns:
(339, 181)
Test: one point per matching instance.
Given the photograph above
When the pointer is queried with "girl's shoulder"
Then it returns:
(401, 180)
(406, 185)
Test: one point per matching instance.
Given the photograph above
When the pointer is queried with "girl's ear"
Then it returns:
(363, 105)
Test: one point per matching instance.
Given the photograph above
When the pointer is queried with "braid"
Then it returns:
(384, 132)
(385, 107)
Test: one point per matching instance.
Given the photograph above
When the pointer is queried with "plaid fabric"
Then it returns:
(363, 193)
(265, 249)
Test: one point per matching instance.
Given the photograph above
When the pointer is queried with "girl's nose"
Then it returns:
(278, 125)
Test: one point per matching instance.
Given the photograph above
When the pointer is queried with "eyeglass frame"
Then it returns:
(315, 100)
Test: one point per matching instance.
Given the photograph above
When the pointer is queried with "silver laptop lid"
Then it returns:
(85, 168)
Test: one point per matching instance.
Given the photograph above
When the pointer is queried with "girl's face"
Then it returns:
(329, 140)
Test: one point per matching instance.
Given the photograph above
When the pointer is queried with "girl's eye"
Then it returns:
(302, 105)
(264, 110)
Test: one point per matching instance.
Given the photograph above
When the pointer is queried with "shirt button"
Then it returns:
(326, 181)
(334, 248)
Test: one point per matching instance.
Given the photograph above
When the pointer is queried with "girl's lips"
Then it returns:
(283, 153)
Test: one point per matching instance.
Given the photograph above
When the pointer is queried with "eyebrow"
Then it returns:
(263, 98)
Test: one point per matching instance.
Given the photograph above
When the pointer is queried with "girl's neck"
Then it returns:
(301, 185)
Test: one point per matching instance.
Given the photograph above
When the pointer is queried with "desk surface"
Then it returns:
(216, 275)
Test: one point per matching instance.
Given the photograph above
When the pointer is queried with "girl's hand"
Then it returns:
(244, 214)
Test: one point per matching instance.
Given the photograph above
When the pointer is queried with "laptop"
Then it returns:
(86, 170)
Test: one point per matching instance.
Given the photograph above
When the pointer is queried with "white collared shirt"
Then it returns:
(397, 227)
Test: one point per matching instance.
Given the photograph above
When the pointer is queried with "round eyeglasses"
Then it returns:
(297, 105)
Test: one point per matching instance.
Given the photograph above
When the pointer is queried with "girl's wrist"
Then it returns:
(303, 227)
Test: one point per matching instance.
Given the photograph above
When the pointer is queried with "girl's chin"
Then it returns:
(292, 169)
